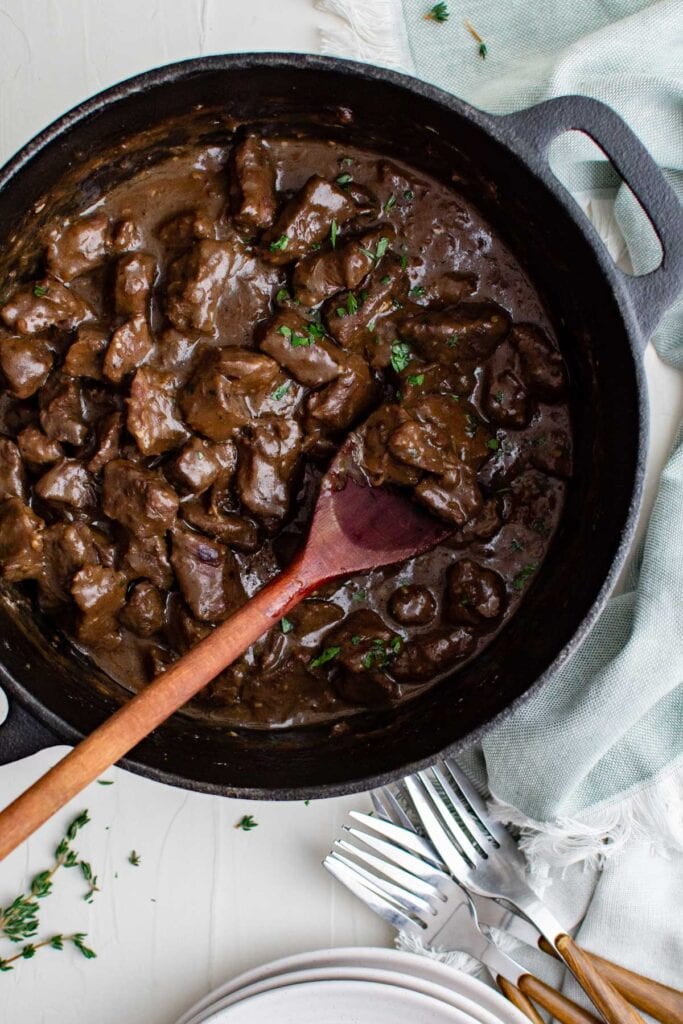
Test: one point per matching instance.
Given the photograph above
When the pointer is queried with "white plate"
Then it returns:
(339, 1002)
(394, 979)
(410, 965)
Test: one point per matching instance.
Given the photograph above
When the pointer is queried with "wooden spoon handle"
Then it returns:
(559, 1007)
(611, 1004)
(661, 1002)
(149, 708)
(518, 999)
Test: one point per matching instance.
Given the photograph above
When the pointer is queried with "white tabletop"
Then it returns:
(207, 900)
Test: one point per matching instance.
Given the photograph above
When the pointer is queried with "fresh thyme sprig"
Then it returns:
(28, 951)
(439, 12)
(19, 919)
(483, 48)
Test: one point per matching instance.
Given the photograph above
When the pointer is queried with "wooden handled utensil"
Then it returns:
(355, 527)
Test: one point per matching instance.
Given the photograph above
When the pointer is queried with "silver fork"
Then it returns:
(481, 855)
(413, 899)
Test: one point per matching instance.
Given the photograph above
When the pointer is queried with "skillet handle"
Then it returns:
(21, 735)
(650, 294)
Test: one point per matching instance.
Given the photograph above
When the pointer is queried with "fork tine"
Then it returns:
(408, 861)
(467, 815)
(414, 905)
(413, 885)
(400, 836)
(376, 901)
(454, 860)
(379, 806)
(478, 804)
(399, 815)
(458, 832)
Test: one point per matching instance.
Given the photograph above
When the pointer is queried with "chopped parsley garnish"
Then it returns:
(385, 280)
(400, 355)
(390, 203)
(351, 304)
(404, 261)
(347, 161)
(286, 626)
(382, 247)
(247, 823)
(334, 231)
(344, 179)
(356, 639)
(499, 397)
(409, 195)
(416, 292)
(280, 392)
(281, 244)
(439, 12)
(515, 545)
(39, 291)
(416, 379)
(328, 654)
(523, 575)
(493, 443)
(282, 295)
(379, 655)
(453, 341)
(301, 340)
(359, 595)
(340, 311)
(285, 331)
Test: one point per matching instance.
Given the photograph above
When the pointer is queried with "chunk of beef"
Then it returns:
(311, 620)
(506, 397)
(230, 388)
(153, 418)
(181, 230)
(474, 596)
(196, 282)
(63, 413)
(484, 526)
(99, 594)
(323, 274)
(542, 363)
(130, 346)
(108, 441)
(343, 401)
(86, 354)
(12, 474)
(454, 496)
(67, 487)
(368, 206)
(551, 453)
(378, 463)
(21, 541)
(306, 220)
(25, 363)
(144, 612)
(176, 353)
(138, 498)
(147, 556)
(228, 527)
(78, 247)
(133, 282)
(432, 654)
(67, 547)
(301, 348)
(207, 574)
(450, 288)
(254, 200)
(268, 457)
(412, 605)
(438, 436)
(197, 468)
(36, 449)
(349, 316)
(42, 304)
(368, 649)
(466, 333)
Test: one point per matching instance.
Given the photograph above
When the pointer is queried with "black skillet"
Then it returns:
(603, 319)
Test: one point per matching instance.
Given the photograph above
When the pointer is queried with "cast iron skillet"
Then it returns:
(603, 319)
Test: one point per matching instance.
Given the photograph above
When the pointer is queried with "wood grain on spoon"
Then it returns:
(355, 528)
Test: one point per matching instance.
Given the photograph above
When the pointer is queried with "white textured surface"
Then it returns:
(207, 901)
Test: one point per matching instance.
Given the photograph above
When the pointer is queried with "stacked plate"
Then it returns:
(354, 986)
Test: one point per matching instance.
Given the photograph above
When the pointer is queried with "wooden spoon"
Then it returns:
(355, 527)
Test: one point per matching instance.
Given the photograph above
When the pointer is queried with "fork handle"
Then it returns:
(604, 996)
(661, 1002)
(518, 999)
(558, 1006)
